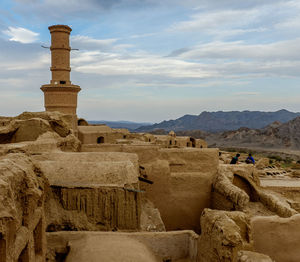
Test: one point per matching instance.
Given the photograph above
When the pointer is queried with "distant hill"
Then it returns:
(222, 121)
(120, 124)
(274, 136)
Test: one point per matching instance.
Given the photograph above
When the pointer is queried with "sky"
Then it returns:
(154, 60)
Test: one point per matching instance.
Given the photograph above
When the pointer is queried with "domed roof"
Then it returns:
(172, 133)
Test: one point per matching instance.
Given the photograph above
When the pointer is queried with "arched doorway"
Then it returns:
(193, 141)
(243, 184)
(82, 122)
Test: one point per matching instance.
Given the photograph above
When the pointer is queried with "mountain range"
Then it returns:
(222, 121)
(131, 126)
(274, 136)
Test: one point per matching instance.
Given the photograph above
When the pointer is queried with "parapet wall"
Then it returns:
(134, 247)
(277, 237)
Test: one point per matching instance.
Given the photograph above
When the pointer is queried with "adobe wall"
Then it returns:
(91, 191)
(182, 185)
(135, 247)
(94, 209)
(90, 134)
(277, 237)
(182, 179)
(146, 153)
(89, 169)
(22, 220)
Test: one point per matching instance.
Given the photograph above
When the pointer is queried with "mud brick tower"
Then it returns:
(60, 95)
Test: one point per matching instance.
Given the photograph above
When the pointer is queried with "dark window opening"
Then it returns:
(37, 234)
(124, 136)
(100, 140)
(2, 248)
(243, 184)
(193, 141)
(62, 82)
(24, 257)
(82, 122)
(170, 142)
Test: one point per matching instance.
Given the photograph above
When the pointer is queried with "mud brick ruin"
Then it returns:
(71, 191)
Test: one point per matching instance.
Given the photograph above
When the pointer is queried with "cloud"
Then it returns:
(146, 64)
(20, 34)
(236, 19)
(216, 21)
(225, 55)
(281, 50)
(246, 93)
(207, 61)
(88, 43)
(63, 10)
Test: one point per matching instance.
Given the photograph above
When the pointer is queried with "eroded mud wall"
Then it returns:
(92, 209)
(91, 191)
(22, 220)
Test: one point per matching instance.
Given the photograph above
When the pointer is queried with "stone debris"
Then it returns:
(250, 256)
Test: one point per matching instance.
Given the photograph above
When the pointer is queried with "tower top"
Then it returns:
(60, 28)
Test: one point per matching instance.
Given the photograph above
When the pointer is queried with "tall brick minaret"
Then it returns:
(60, 95)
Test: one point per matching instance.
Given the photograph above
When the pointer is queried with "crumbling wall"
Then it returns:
(91, 191)
(22, 220)
(226, 196)
(223, 234)
(237, 188)
(150, 219)
(104, 208)
(39, 132)
(292, 194)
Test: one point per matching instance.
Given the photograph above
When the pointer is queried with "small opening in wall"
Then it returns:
(193, 141)
(100, 140)
(37, 234)
(24, 257)
(2, 248)
(62, 82)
